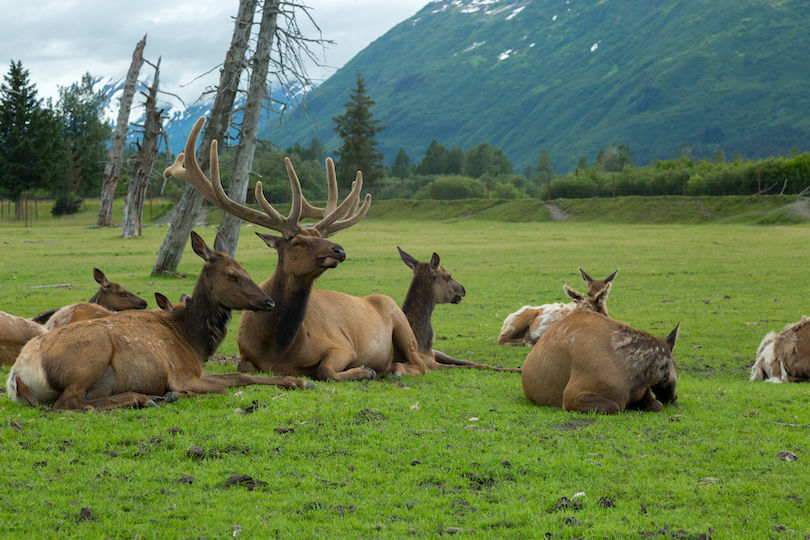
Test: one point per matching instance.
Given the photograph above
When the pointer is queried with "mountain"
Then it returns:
(574, 76)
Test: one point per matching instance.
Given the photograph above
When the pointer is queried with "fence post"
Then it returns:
(26, 209)
(151, 216)
(549, 186)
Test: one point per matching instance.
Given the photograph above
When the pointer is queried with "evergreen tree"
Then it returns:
(434, 156)
(358, 128)
(486, 160)
(453, 162)
(86, 133)
(401, 168)
(32, 155)
(544, 166)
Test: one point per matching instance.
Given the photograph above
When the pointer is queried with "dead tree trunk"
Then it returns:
(133, 209)
(185, 213)
(252, 112)
(115, 156)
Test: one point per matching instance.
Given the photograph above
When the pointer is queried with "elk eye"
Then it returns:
(297, 244)
(233, 277)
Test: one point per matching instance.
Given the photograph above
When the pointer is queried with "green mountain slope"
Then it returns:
(574, 76)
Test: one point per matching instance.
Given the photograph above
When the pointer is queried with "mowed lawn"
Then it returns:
(453, 452)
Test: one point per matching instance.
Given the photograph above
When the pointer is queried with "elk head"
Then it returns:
(588, 303)
(594, 286)
(665, 390)
(446, 290)
(302, 252)
(113, 296)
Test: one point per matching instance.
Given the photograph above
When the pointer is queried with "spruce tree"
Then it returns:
(357, 127)
(32, 154)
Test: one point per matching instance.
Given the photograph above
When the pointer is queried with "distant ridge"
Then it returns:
(575, 76)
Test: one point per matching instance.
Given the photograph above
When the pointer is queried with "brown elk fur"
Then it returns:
(316, 333)
(784, 357)
(432, 284)
(122, 360)
(14, 333)
(589, 362)
(110, 298)
(526, 325)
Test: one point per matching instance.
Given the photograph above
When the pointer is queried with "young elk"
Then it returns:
(110, 298)
(129, 358)
(589, 362)
(784, 357)
(316, 333)
(526, 325)
(431, 285)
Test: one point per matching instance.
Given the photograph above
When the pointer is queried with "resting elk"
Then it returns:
(110, 298)
(526, 325)
(784, 357)
(315, 333)
(589, 362)
(132, 357)
(14, 333)
(432, 284)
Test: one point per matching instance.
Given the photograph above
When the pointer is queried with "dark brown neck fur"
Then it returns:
(203, 323)
(418, 308)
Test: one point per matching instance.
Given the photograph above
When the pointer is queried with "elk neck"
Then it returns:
(291, 295)
(203, 323)
(418, 308)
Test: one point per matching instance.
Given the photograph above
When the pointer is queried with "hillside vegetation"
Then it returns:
(574, 77)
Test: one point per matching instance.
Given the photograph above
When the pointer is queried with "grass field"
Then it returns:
(450, 452)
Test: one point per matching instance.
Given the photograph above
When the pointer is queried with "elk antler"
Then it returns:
(271, 219)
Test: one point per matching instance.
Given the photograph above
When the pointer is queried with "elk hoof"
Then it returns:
(152, 405)
(396, 374)
(373, 374)
(309, 384)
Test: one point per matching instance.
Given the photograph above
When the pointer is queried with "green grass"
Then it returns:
(451, 451)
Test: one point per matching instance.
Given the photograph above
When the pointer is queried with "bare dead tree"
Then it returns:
(288, 65)
(251, 116)
(148, 149)
(185, 213)
(115, 156)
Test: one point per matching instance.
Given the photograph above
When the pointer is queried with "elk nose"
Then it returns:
(340, 253)
(269, 303)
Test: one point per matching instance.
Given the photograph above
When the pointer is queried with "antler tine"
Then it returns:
(329, 225)
(212, 189)
(310, 211)
(287, 227)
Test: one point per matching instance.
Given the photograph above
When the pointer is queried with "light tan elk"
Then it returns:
(784, 357)
(110, 298)
(432, 284)
(589, 362)
(526, 325)
(132, 357)
(14, 333)
(316, 333)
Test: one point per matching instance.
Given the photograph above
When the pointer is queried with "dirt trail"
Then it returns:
(557, 213)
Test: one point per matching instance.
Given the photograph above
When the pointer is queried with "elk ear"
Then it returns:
(672, 337)
(220, 244)
(611, 277)
(100, 278)
(269, 239)
(434, 263)
(409, 261)
(163, 302)
(574, 295)
(585, 276)
(184, 298)
(199, 246)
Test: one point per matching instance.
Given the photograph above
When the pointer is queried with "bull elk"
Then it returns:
(131, 357)
(526, 325)
(316, 333)
(784, 357)
(589, 362)
(432, 284)
(110, 298)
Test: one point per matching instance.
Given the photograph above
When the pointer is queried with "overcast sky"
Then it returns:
(58, 41)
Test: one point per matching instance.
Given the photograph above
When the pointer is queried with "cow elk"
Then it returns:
(589, 362)
(316, 333)
(432, 284)
(110, 298)
(526, 325)
(15, 332)
(129, 358)
(784, 357)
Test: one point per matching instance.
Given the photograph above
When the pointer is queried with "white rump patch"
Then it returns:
(766, 362)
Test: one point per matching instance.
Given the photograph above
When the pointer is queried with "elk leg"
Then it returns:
(218, 383)
(333, 368)
(71, 399)
(647, 402)
(444, 360)
(246, 366)
(585, 401)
